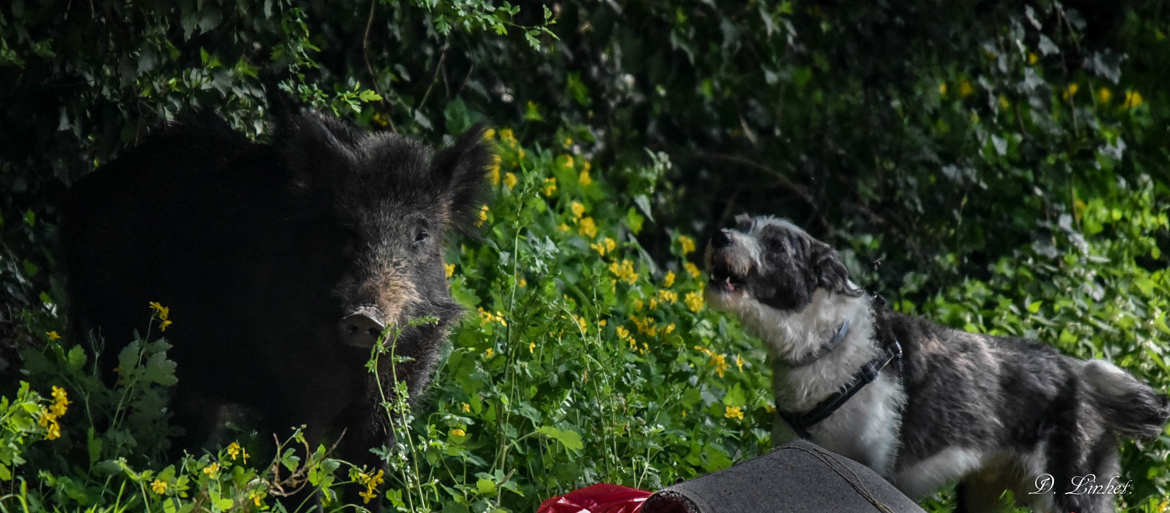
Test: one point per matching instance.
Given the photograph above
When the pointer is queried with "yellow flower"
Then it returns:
(1070, 91)
(49, 415)
(669, 329)
(161, 311)
(465, 407)
(458, 432)
(563, 227)
(483, 215)
(1004, 103)
(566, 161)
(371, 483)
(965, 88)
(449, 270)
(377, 479)
(163, 314)
(587, 227)
(234, 450)
(489, 134)
(577, 208)
(1133, 99)
(489, 353)
(550, 186)
(1032, 58)
(367, 496)
(211, 470)
(668, 296)
(942, 89)
(255, 495)
(623, 333)
(510, 179)
(719, 361)
(1104, 95)
(59, 395)
(604, 246)
(379, 119)
(687, 244)
(583, 177)
(691, 270)
(531, 347)
(486, 317)
(494, 170)
(625, 272)
(54, 430)
(158, 486)
(53, 335)
(523, 282)
(598, 247)
(694, 301)
(568, 141)
(739, 363)
(507, 136)
(733, 412)
(669, 279)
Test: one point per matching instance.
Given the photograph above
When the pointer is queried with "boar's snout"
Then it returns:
(361, 328)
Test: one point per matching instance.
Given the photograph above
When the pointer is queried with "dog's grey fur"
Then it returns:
(994, 413)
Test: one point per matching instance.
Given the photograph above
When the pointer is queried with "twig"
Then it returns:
(781, 179)
(366, 58)
(434, 77)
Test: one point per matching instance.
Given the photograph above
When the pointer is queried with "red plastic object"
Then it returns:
(599, 498)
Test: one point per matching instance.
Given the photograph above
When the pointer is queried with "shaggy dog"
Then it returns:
(922, 404)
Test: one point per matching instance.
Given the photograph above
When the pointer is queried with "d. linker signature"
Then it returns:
(1087, 484)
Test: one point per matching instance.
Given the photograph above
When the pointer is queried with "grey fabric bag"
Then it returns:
(797, 477)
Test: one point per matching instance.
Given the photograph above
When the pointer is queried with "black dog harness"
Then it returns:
(800, 422)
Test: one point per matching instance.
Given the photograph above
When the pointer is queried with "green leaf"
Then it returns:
(290, 460)
(367, 96)
(75, 359)
(735, 396)
(160, 370)
(485, 487)
(568, 438)
(634, 220)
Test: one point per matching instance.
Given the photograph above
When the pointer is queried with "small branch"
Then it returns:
(434, 77)
(781, 179)
(366, 58)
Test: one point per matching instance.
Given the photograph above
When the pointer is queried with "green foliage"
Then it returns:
(999, 167)
(585, 360)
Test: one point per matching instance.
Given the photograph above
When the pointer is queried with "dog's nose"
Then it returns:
(722, 239)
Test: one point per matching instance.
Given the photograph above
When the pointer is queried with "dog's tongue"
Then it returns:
(730, 286)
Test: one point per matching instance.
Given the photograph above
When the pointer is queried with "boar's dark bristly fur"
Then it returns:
(281, 263)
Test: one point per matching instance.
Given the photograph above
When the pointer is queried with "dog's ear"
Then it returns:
(830, 271)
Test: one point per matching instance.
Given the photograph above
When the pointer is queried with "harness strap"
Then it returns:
(800, 422)
(825, 349)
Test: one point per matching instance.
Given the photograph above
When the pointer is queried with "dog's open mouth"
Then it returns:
(724, 279)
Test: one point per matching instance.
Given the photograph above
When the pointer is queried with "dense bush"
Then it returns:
(995, 166)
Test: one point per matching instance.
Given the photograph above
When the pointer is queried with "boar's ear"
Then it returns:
(311, 144)
(460, 171)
